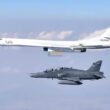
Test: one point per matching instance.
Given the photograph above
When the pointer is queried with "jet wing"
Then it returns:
(70, 81)
(73, 79)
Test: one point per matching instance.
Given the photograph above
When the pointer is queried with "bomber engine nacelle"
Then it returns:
(65, 82)
(80, 50)
(45, 49)
(52, 52)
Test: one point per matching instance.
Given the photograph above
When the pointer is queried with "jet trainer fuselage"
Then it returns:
(72, 76)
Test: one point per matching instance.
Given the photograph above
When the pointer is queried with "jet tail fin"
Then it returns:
(95, 66)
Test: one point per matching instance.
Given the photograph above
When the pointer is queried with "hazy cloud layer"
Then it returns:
(9, 34)
(97, 33)
(58, 104)
(42, 35)
(54, 35)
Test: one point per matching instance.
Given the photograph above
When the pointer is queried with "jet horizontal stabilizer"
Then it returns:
(99, 75)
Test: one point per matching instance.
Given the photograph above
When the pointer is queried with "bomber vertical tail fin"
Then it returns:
(95, 66)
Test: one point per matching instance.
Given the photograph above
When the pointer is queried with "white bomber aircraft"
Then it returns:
(57, 47)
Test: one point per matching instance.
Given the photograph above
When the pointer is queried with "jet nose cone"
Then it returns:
(32, 74)
(104, 76)
(36, 75)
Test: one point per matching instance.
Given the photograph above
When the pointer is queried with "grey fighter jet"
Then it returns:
(70, 76)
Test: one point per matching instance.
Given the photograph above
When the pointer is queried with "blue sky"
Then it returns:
(27, 19)
(47, 9)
